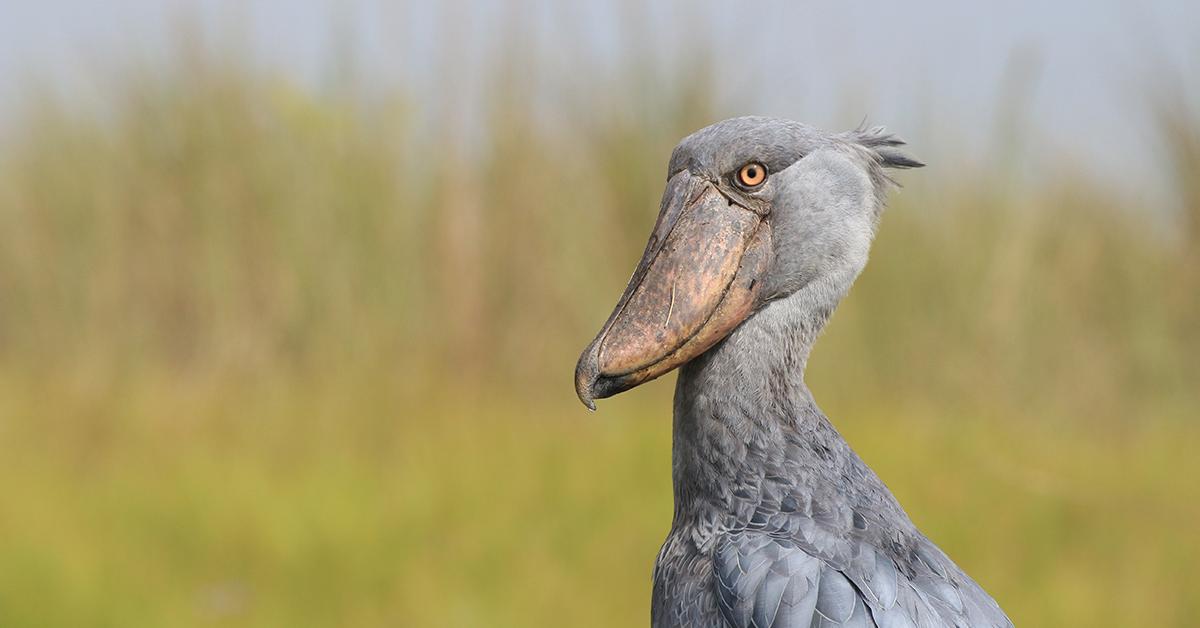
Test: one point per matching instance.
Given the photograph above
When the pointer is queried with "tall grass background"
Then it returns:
(280, 355)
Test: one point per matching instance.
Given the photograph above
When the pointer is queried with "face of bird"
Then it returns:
(754, 210)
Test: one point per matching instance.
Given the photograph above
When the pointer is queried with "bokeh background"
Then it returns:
(291, 295)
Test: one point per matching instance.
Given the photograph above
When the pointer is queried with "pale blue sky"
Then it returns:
(926, 68)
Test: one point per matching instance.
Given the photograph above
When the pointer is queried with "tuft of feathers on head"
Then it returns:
(885, 146)
(880, 150)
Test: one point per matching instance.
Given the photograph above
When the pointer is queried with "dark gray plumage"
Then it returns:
(778, 523)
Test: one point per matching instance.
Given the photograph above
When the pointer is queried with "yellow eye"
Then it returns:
(752, 174)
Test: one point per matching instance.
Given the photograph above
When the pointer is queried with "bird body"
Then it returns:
(778, 523)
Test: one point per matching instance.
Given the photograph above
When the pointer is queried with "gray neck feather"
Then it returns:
(743, 412)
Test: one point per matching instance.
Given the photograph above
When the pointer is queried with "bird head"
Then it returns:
(754, 210)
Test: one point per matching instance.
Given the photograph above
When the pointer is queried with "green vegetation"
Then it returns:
(271, 356)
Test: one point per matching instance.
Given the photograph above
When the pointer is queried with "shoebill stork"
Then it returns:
(764, 225)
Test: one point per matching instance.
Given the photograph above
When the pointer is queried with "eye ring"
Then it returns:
(752, 175)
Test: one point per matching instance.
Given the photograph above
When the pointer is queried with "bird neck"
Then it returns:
(742, 410)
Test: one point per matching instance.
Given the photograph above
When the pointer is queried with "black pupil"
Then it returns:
(751, 173)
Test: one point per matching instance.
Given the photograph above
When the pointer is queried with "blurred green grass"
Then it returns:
(277, 356)
(337, 502)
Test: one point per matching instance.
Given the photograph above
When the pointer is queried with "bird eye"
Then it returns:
(752, 174)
